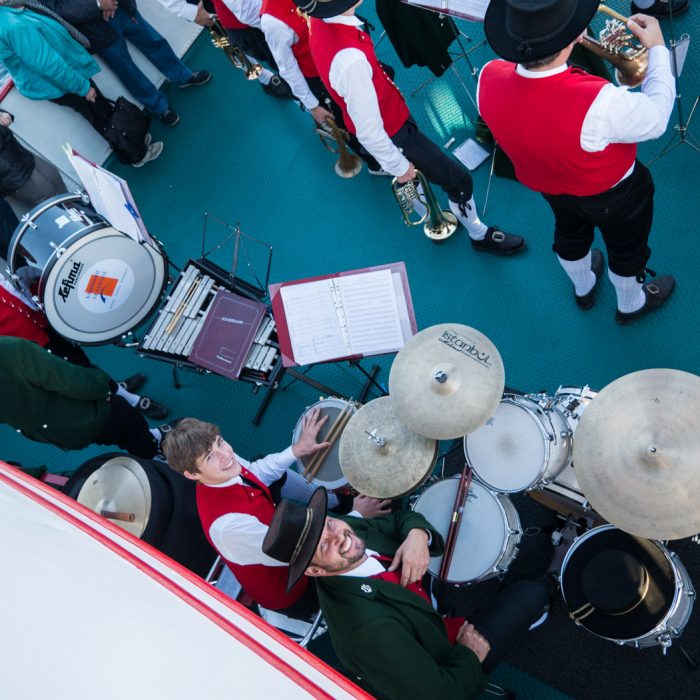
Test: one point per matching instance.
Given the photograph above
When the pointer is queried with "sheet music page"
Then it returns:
(371, 312)
(467, 9)
(86, 175)
(402, 306)
(313, 323)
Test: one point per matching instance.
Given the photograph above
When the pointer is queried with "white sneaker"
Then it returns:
(147, 140)
(540, 621)
(153, 151)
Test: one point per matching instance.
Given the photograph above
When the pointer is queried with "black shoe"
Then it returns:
(133, 383)
(662, 8)
(199, 77)
(585, 302)
(151, 409)
(170, 117)
(656, 294)
(277, 87)
(499, 243)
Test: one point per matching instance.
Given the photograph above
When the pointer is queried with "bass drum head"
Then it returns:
(103, 286)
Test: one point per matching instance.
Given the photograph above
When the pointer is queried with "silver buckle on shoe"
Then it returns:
(498, 236)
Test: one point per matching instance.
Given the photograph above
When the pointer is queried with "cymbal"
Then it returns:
(120, 491)
(637, 451)
(447, 381)
(380, 456)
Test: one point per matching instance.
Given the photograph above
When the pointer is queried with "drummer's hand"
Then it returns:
(306, 444)
(369, 507)
(470, 638)
(412, 557)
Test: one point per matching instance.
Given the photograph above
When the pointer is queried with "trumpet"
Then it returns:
(617, 45)
(348, 164)
(438, 225)
(220, 39)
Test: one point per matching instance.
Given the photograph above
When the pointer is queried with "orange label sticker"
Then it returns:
(104, 286)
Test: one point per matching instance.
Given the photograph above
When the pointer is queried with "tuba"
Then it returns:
(220, 39)
(437, 224)
(348, 164)
(617, 45)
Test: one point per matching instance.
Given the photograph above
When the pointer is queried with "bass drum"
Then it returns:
(94, 283)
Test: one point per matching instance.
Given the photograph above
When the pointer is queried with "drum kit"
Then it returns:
(634, 446)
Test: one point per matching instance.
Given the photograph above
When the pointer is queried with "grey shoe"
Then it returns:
(152, 152)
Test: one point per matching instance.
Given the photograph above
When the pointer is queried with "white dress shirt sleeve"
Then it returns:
(271, 467)
(351, 77)
(181, 8)
(620, 116)
(280, 38)
(246, 11)
(238, 537)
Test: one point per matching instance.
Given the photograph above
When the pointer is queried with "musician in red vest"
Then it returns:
(236, 501)
(572, 136)
(375, 111)
(287, 35)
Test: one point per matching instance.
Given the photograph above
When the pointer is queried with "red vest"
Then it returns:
(226, 17)
(537, 122)
(265, 584)
(326, 40)
(21, 321)
(286, 11)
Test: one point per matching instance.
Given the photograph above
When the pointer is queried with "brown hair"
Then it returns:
(187, 442)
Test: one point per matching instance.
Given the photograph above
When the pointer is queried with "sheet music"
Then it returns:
(466, 9)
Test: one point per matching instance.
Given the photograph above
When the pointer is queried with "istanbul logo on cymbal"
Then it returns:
(68, 283)
(466, 347)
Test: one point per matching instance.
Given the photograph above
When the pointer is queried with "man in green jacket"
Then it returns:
(382, 624)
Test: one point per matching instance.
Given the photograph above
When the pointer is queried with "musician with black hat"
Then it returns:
(375, 111)
(572, 136)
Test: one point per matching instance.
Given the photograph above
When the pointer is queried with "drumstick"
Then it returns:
(465, 481)
(319, 457)
(182, 306)
(609, 11)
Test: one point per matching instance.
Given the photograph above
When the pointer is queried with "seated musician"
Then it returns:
(382, 624)
(236, 500)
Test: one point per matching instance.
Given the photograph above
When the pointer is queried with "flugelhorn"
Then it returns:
(437, 224)
(220, 39)
(335, 140)
(617, 45)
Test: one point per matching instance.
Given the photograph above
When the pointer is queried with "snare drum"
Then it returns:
(524, 445)
(649, 604)
(572, 402)
(489, 533)
(330, 474)
(93, 282)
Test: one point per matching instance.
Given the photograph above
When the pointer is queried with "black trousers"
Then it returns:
(97, 113)
(251, 41)
(623, 214)
(440, 168)
(323, 96)
(128, 429)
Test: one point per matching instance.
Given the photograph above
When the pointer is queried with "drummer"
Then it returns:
(236, 500)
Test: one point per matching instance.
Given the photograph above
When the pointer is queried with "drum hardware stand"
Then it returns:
(562, 541)
(370, 382)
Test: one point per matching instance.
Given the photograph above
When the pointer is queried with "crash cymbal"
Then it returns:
(380, 456)
(119, 491)
(637, 451)
(447, 381)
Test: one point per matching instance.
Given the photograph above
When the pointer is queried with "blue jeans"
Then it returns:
(155, 48)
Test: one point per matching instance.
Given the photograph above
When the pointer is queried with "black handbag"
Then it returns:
(126, 132)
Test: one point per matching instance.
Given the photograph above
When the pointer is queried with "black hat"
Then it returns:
(324, 8)
(528, 30)
(294, 532)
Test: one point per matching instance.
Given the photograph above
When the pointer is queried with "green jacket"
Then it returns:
(390, 637)
(49, 399)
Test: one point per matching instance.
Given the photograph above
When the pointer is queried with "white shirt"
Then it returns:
(280, 38)
(246, 11)
(350, 76)
(181, 8)
(238, 537)
(369, 567)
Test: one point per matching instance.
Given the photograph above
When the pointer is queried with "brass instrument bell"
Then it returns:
(335, 140)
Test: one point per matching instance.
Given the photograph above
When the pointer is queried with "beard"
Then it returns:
(347, 560)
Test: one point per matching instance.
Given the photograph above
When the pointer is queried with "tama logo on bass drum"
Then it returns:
(466, 347)
(68, 283)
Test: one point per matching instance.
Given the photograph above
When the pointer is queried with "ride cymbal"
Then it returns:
(380, 456)
(447, 381)
(637, 453)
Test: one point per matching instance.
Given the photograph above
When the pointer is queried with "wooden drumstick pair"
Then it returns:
(316, 462)
(465, 481)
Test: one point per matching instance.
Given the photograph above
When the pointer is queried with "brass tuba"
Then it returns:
(220, 39)
(617, 45)
(438, 225)
(348, 164)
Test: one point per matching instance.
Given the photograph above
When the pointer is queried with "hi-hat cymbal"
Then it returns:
(380, 456)
(637, 453)
(119, 491)
(447, 381)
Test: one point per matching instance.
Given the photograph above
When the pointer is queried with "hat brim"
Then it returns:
(507, 46)
(657, 601)
(323, 10)
(318, 505)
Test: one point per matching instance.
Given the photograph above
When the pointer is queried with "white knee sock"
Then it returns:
(630, 296)
(644, 4)
(265, 75)
(468, 217)
(131, 399)
(156, 434)
(580, 273)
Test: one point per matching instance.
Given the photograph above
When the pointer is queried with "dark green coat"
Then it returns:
(49, 399)
(390, 637)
